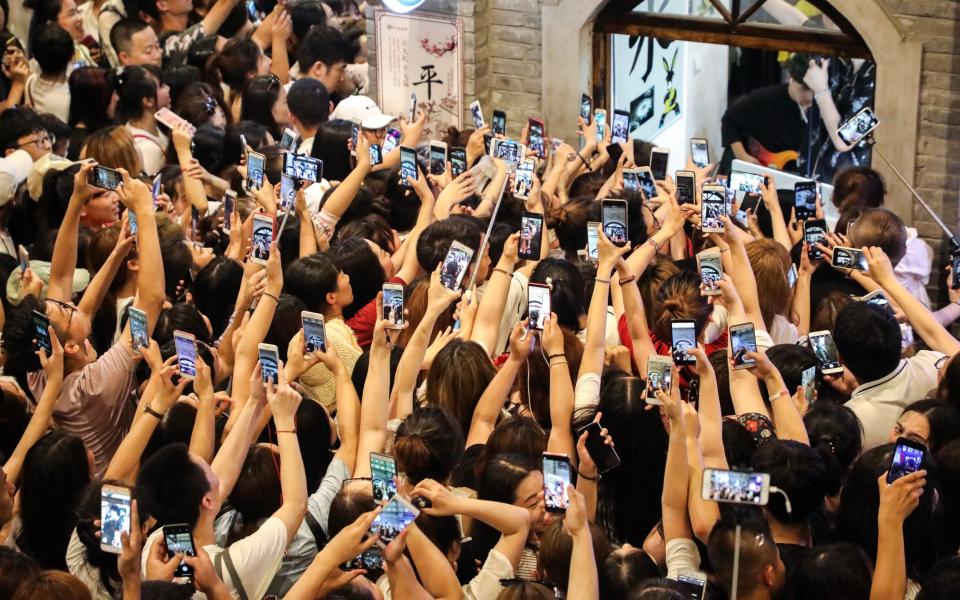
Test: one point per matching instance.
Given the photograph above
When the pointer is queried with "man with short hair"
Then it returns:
(135, 43)
(309, 106)
(323, 56)
(21, 129)
(762, 574)
(173, 16)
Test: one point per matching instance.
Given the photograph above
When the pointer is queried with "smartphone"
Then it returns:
(288, 192)
(692, 584)
(614, 216)
(792, 275)
(907, 458)
(535, 137)
(243, 148)
(114, 517)
(138, 328)
(408, 165)
(631, 180)
(604, 456)
(735, 487)
(808, 379)
(288, 139)
(156, 188)
(438, 157)
(229, 204)
(849, 258)
(750, 202)
(531, 235)
(805, 200)
(263, 225)
(648, 183)
(393, 304)
(108, 179)
(710, 267)
(683, 335)
(523, 180)
(314, 333)
(413, 107)
(132, 226)
(621, 126)
(354, 138)
(592, 238)
(814, 232)
(41, 324)
(376, 155)
(371, 560)
(601, 116)
(269, 363)
(538, 305)
(659, 377)
(659, 157)
(303, 168)
(955, 268)
(186, 347)
(255, 165)
(556, 478)
(179, 539)
(743, 339)
(686, 187)
(172, 119)
(396, 516)
(383, 473)
(391, 140)
(499, 125)
(458, 161)
(24, 257)
(713, 207)
(858, 127)
(878, 298)
(508, 151)
(455, 265)
(821, 342)
(693, 392)
(699, 152)
(745, 182)
(586, 108)
(477, 114)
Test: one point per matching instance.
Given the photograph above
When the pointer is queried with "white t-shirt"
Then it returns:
(682, 556)
(153, 148)
(81, 569)
(46, 96)
(878, 404)
(913, 270)
(485, 586)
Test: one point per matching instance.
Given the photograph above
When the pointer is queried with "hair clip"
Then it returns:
(549, 283)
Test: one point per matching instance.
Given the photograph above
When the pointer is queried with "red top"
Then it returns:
(365, 320)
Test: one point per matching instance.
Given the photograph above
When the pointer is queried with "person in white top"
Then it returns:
(140, 96)
(48, 90)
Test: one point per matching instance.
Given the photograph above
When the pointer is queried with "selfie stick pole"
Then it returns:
(736, 563)
(486, 237)
(954, 243)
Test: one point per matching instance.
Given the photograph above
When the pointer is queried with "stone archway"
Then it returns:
(567, 52)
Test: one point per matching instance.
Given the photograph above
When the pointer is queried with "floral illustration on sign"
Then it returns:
(440, 49)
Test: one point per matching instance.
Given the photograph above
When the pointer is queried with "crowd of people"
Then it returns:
(224, 485)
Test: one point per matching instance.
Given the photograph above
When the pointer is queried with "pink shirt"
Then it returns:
(95, 402)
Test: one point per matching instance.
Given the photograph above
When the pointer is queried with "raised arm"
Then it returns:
(436, 572)
(742, 273)
(786, 415)
(348, 408)
(409, 268)
(675, 481)
(743, 387)
(897, 501)
(801, 291)
(772, 202)
(64, 260)
(610, 255)
(671, 224)
(228, 462)
(100, 284)
(203, 438)
(486, 327)
(375, 408)
(636, 317)
(151, 295)
(488, 408)
(284, 401)
(342, 196)
(217, 14)
(182, 139)
(583, 583)
(560, 440)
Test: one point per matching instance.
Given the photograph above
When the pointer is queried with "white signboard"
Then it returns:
(421, 54)
(647, 77)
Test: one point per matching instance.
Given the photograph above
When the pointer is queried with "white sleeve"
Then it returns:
(587, 391)
(682, 555)
(515, 306)
(486, 585)
(257, 556)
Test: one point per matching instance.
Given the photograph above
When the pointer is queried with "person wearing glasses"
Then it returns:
(21, 129)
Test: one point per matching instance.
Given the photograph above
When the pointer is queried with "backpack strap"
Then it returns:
(224, 557)
(318, 534)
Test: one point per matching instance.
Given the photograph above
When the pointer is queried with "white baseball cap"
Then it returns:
(14, 169)
(363, 111)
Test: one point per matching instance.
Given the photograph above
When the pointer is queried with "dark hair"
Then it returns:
(15, 568)
(121, 34)
(13, 422)
(53, 48)
(90, 92)
(179, 79)
(679, 298)
(201, 51)
(838, 571)
(460, 373)
(255, 134)
(757, 551)
(88, 511)
(18, 335)
(198, 102)
(792, 360)
(948, 390)
(942, 419)
(220, 279)
(165, 590)
(313, 435)
(621, 572)
(238, 60)
(177, 263)
(306, 14)
(285, 323)
(53, 585)
(15, 123)
(883, 228)
(55, 472)
(256, 494)
(330, 146)
(308, 101)
(861, 326)
(498, 482)
(556, 548)
(372, 227)
(181, 316)
(311, 278)
(834, 429)
(942, 581)
(321, 44)
(349, 503)
(134, 85)
(260, 93)
(567, 298)
(799, 471)
(923, 529)
(948, 477)
(858, 185)
(435, 240)
(428, 445)
(797, 67)
(356, 259)
(208, 147)
(170, 486)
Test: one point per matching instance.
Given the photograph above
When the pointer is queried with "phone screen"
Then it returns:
(659, 377)
(105, 178)
(455, 265)
(556, 478)
(438, 160)
(523, 180)
(396, 516)
(686, 187)
(586, 108)
(955, 276)
(808, 379)
(621, 127)
(538, 305)
(255, 165)
(601, 117)
(711, 271)
(507, 151)
(229, 202)
(604, 456)
(393, 304)
(792, 275)
(314, 334)
(138, 328)
(815, 232)
(822, 345)
(536, 138)
(413, 107)
(631, 180)
(805, 200)
(907, 458)
(156, 188)
(477, 114)
(269, 363)
(408, 165)
(691, 586)
(858, 127)
(658, 164)
(354, 137)
(383, 470)
(592, 239)
(713, 209)
(288, 192)
(614, 216)
(179, 539)
(745, 182)
(40, 329)
(743, 339)
(114, 516)
(391, 140)
(684, 337)
(499, 122)
(306, 168)
(699, 153)
(262, 238)
(289, 136)
(849, 258)
(734, 486)
(531, 235)
(371, 560)
(186, 347)
(458, 161)
(376, 155)
(647, 183)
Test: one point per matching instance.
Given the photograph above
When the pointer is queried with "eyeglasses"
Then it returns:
(68, 307)
(41, 141)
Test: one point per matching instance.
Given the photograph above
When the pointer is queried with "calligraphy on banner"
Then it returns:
(421, 54)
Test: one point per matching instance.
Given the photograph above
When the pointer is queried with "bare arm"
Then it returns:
(777, 220)
(151, 294)
(636, 317)
(192, 186)
(675, 484)
(583, 582)
(64, 260)
(374, 409)
(435, 570)
(217, 14)
(897, 501)
(342, 196)
(789, 421)
(560, 440)
(203, 438)
(487, 324)
(284, 401)
(100, 284)
(610, 255)
(487, 411)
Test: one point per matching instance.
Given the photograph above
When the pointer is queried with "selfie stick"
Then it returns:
(493, 219)
(954, 243)
(736, 563)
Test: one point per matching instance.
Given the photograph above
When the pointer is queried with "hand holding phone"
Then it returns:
(743, 341)
(556, 477)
